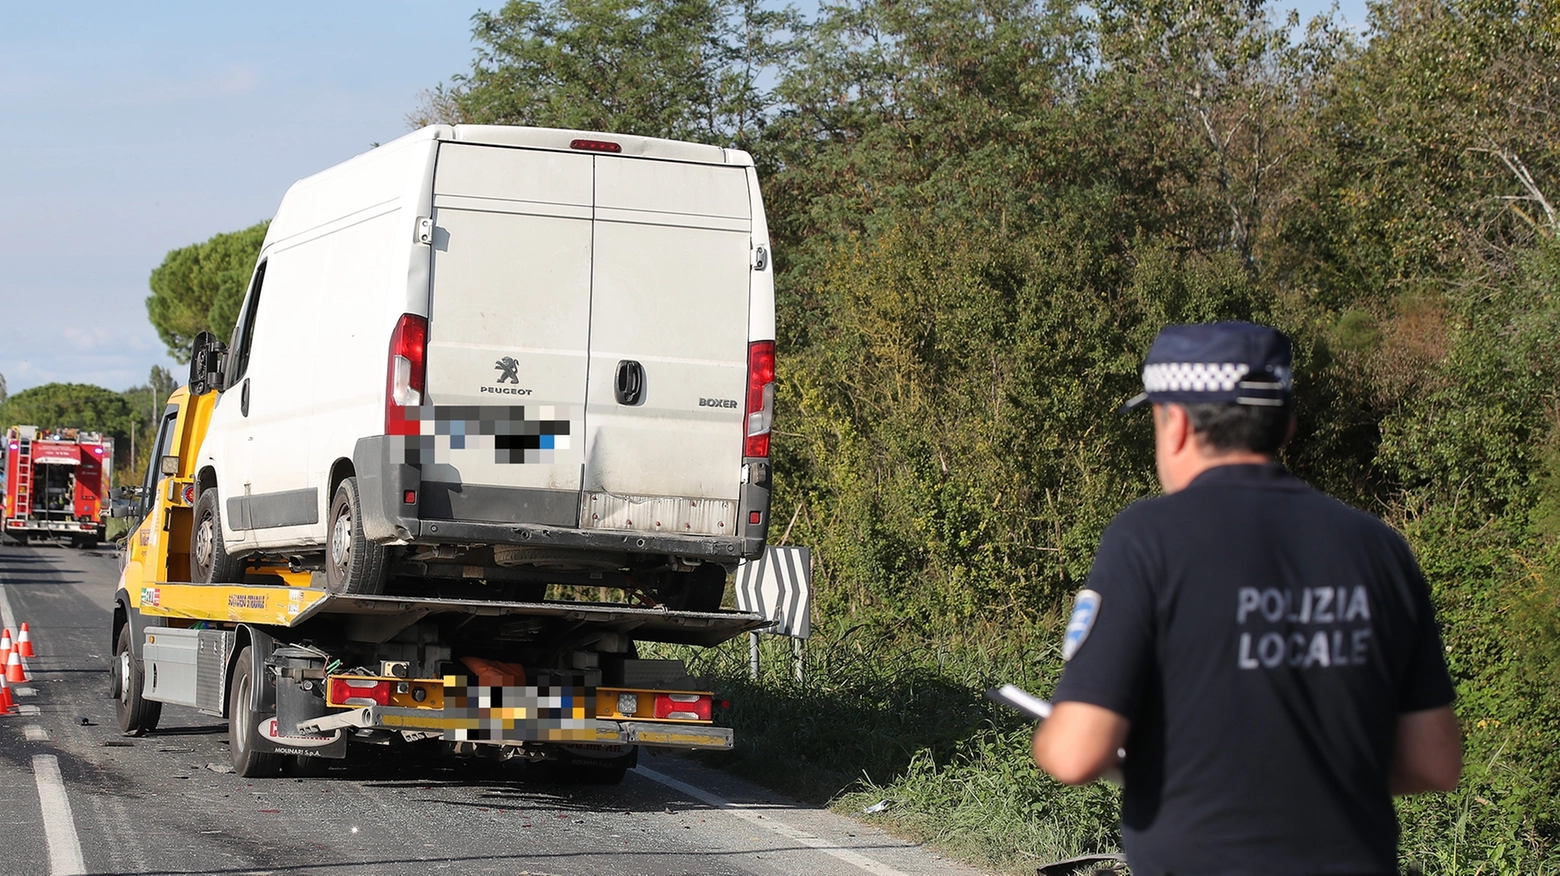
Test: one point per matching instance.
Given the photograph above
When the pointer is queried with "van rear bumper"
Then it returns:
(385, 479)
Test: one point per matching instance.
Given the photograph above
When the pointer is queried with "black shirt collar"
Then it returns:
(1264, 475)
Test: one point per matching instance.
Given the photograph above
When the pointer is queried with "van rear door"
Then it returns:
(508, 334)
(670, 287)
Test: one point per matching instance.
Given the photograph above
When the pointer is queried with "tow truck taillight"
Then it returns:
(405, 373)
(760, 397)
(359, 692)
(686, 707)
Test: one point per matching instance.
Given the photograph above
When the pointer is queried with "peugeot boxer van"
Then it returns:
(496, 357)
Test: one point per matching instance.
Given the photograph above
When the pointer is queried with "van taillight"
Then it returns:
(407, 368)
(760, 397)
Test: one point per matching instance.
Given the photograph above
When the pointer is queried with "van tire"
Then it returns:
(244, 724)
(353, 563)
(699, 590)
(209, 559)
(136, 715)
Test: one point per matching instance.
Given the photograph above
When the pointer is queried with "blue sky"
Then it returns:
(136, 128)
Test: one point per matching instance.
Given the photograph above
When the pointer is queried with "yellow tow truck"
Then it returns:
(302, 673)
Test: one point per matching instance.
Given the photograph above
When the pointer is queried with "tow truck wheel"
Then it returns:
(581, 770)
(209, 560)
(300, 767)
(353, 564)
(244, 725)
(136, 715)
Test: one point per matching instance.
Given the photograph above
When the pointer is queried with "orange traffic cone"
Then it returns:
(24, 642)
(6, 703)
(14, 673)
(5, 648)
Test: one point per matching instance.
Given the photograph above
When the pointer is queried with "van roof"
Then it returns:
(557, 138)
(399, 157)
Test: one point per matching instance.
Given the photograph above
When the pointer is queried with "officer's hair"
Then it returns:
(1230, 428)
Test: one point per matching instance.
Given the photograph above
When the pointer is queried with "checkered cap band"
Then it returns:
(1193, 376)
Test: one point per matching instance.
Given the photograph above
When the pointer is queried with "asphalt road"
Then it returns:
(76, 797)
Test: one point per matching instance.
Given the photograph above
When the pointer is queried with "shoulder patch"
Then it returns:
(1086, 607)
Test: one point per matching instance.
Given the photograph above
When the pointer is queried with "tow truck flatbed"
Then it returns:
(488, 662)
(292, 606)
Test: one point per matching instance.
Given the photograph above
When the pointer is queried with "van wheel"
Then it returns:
(699, 590)
(209, 560)
(244, 724)
(353, 564)
(137, 716)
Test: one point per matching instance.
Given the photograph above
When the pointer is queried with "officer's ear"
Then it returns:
(1172, 426)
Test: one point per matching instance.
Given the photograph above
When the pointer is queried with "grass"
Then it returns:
(880, 717)
(886, 716)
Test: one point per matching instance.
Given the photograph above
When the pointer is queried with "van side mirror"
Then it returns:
(206, 356)
(168, 466)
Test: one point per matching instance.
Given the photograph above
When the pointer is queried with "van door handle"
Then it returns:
(629, 385)
(243, 398)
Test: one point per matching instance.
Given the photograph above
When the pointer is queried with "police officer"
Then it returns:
(1266, 656)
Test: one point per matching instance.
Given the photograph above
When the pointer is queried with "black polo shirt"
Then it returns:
(1262, 638)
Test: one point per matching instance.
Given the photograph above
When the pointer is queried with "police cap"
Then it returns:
(1217, 363)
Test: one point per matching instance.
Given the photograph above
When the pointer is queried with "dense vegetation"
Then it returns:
(983, 210)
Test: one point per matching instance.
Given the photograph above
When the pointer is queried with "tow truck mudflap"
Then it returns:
(594, 731)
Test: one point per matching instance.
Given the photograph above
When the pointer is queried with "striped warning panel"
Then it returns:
(778, 585)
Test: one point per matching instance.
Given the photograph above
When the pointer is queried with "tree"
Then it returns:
(684, 69)
(146, 408)
(163, 383)
(200, 287)
(69, 405)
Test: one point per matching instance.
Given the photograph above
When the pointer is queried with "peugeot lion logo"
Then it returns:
(510, 374)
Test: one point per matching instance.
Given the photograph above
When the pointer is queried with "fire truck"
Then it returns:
(56, 483)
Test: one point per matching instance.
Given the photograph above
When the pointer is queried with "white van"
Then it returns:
(501, 357)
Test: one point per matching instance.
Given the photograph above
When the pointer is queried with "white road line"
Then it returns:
(855, 859)
(58, 824)
(7, 618)
(28, 710)
(25, 691)
(34, 733)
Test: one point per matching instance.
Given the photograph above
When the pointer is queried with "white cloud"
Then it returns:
(88, 338)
